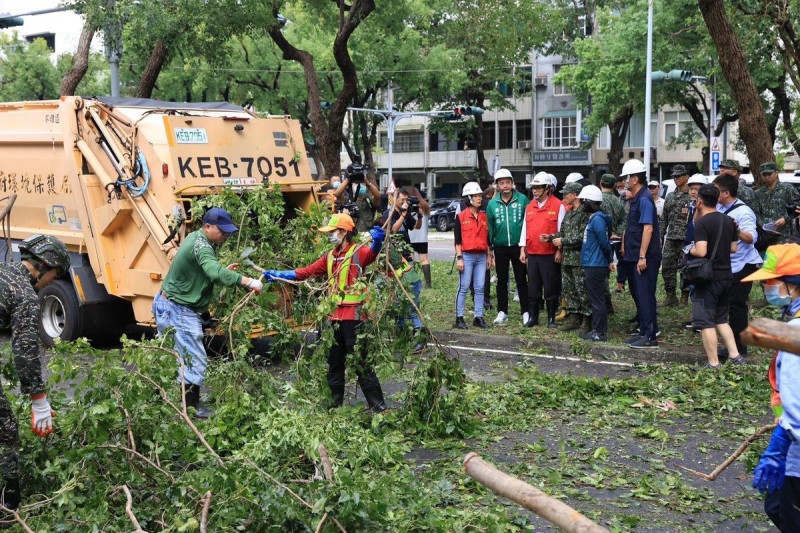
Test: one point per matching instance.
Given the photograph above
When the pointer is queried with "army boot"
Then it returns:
(336, 383)
(193, 400)
(670, 301)
(684, 297)
(572, 322)
(586, 324)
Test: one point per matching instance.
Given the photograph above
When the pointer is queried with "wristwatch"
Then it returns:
(641, 257)
(459, 257)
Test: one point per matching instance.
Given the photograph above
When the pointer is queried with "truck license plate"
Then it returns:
(191, 136)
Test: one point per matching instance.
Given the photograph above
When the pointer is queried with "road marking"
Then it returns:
(542, 356)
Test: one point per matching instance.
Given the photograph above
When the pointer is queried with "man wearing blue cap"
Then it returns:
(186, 293)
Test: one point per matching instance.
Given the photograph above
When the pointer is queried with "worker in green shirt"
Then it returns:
(186, 294)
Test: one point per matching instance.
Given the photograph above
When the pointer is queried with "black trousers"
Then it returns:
(344, 342)
(783, 506)
(544, 274)
(596, 285)
(643, 287)
(503, 257)
(739, 294)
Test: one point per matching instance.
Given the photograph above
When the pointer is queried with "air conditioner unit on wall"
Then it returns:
(540, 80)
(523, 145)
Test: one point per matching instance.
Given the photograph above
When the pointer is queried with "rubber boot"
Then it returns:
(572, 322)
(586, 324)
(373, 393)
(11, 495)
(421, 341)
(193, 400)
(671, 300)
(426, 272)
(551, 313)
(684, 297)
(336, 384)
(563, 314)
(533, 314)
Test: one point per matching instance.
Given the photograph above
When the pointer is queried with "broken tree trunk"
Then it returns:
(531, 498)
(773, 334)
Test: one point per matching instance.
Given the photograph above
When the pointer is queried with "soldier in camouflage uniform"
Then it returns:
(43, 259)
(771, 201)
(731, 167)
(613, 207)
(570, 239)
(673, 232)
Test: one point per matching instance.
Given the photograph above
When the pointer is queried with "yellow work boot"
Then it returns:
(563, 314)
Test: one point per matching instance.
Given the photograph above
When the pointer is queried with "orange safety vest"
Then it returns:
(541, 220)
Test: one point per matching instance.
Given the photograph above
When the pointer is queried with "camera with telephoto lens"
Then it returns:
(413, 205)
(791, 210)
(356, 171)
(350, 208)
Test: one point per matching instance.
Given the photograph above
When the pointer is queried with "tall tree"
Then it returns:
(752, 121)
(80, 61)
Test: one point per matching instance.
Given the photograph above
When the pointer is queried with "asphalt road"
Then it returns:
(440, 246)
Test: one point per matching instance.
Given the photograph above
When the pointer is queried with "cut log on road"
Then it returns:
(773, 334)
(531, 498)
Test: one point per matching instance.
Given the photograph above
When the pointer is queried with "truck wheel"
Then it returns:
(61, 313)
(441, 224)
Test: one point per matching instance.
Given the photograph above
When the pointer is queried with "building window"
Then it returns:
(523, 130)
(506, 134)
(559, 132)
(488, 135)
(604, 139)
(404, 141)
(440, 143)
(558, 89)
(679, 124)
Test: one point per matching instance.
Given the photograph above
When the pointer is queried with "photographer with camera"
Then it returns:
(419, 236)
(358, 195)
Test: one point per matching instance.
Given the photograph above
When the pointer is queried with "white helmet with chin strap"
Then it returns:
(502, 173)
(471, 188)
(573, 176)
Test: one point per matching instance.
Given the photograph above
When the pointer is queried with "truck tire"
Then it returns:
(61, 313)
(441, 223)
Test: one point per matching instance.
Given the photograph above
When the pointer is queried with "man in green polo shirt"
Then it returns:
(186, 293)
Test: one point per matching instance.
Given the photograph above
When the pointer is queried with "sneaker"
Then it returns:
(501, 319)
(525, 317)
(460, 323)
(631, 340)
(634, 331)
(596, 337)
(643, 343)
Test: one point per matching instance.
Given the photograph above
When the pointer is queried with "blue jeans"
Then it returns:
(474, 273)
(188, 330)
(411, 312)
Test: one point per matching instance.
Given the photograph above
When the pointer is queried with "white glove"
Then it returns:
(255, 285)
(42, 416)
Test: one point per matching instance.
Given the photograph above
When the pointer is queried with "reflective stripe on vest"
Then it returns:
(350, 297)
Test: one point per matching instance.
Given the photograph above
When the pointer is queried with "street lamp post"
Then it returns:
(648, 89)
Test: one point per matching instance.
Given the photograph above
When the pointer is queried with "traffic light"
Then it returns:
(7, 21)
(467, 110)
(676, 75)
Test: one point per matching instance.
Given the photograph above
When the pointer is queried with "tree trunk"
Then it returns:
(80, 62)
(321, 174)
(619, 131)
(752, 122)
(151, 71)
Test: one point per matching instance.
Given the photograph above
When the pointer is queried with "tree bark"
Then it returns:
(752, 122)
(80, 62)
(328, 131)
(151, 71)
(619, 131)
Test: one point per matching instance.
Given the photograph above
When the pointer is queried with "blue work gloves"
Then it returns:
(771, 469)
(377, 235)
(272, 275)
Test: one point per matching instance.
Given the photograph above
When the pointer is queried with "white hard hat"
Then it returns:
(541, 178)
(553, 180)
(472, 188)
(697, 178)
(632, 166)
(502, 173)
(591, 192)
(573, 176)
(653, 183)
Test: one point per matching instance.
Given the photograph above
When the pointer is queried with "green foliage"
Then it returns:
(26, 72)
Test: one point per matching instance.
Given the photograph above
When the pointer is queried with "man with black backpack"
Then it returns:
(715, 239)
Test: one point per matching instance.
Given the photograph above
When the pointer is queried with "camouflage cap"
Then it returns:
(608, 180)
(731, 163)
(573, 187)
(767, 168)
(679, 170)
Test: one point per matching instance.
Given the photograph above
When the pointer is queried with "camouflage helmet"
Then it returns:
(47, 249)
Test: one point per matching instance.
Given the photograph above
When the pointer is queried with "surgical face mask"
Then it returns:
(335, 237)
(773, 295)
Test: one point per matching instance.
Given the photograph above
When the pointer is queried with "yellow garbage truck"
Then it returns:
(113, 179)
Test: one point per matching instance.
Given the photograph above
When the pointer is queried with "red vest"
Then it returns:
(538, 221)
(474, 232)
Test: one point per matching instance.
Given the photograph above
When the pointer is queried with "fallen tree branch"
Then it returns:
(549, 508)
(735, 455)
(18, 519)
(773, 334)
(140, 456)
(326, 462)
(129, 510)
(204, 514)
